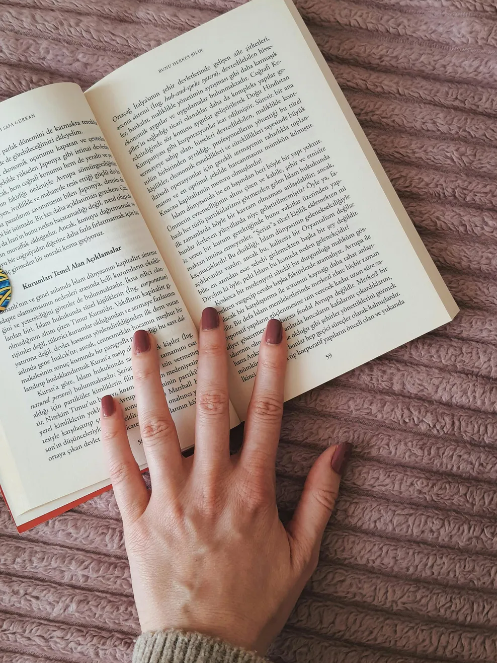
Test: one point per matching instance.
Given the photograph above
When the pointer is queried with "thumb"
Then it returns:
(318, 501)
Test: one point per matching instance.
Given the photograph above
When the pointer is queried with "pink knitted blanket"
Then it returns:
(408, 572)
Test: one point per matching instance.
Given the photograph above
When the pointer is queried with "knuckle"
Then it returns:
(110, 435)
(267, 408)
(212, 403)
(144, 372)
(259, 499)
(211, 503)
(326, 497)
(270, 363)
(212, 349)
(210, 509)
(120, 471)
(257, 494)
(176, 512)
(156, 429)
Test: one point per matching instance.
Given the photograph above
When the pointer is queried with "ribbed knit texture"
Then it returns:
(408, 571)
(179, 647)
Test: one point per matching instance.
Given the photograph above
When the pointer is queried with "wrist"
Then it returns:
(174, 645)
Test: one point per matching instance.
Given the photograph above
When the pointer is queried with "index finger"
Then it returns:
(158, 432)
(127, 481)
(262, 428)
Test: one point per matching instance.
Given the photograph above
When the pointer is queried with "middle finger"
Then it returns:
(212, 424)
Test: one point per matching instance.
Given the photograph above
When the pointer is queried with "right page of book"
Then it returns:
(265, 198)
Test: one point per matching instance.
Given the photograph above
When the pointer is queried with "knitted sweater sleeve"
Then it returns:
(181, 647)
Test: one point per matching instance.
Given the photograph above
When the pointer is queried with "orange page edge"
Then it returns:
(56, 512)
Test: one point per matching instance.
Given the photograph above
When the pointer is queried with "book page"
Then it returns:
(263, 202)
(13, 490)
(85, 274)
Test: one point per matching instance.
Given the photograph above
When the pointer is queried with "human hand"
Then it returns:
(206, 547)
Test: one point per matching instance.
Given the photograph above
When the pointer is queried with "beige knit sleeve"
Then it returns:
(180, 647)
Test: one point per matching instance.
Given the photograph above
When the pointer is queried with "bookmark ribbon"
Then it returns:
(5, 290)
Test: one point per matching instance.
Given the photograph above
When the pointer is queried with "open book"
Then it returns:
(224, 168)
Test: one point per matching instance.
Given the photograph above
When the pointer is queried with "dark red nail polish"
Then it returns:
(274, 332)
(210, 319)
(341, 457)
(108, 406)
(141, 342)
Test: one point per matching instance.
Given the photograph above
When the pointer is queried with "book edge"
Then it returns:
(30, 524)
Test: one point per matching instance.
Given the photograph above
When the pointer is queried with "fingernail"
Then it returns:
(141, 342)
(108, 406)
(210, 319)
(341, 457)
(274, 332)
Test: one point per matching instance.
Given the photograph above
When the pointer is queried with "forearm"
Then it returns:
(181, 647)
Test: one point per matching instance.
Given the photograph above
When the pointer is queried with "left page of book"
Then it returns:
(85, 273)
